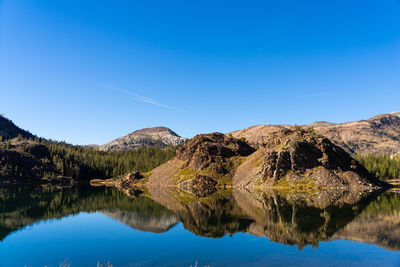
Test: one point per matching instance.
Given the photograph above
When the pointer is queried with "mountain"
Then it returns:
(156, 136)
(377, 135)
(9, 130)
(287, 159)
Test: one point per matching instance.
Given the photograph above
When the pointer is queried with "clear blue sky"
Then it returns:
(90, 71)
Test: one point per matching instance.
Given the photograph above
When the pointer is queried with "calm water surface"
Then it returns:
(86, 226)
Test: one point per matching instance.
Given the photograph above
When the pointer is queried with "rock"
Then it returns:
(214, 155)
(206, 149)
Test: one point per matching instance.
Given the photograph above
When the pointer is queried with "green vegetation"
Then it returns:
(384, 205)
(381, 166)
(60, 158)
(79, 162)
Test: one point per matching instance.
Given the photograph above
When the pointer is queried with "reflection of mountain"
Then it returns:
(290, 218)
(157, 223)
(302, 218)
(378, 224)
(214, 216)
(23, 206)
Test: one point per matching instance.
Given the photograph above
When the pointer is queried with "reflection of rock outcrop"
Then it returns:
(300, 219)
(378, 224)
(295, 218)
(157, 223)
(213, 216)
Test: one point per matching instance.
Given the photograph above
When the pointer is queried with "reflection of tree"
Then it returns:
(290, 218)
(301, 219)
(287, 217)
(23, 206)
(379, 223)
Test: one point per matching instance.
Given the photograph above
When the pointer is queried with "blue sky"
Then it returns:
(90, 71)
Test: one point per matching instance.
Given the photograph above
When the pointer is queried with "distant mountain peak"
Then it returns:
(396, 113)
(155, 136)
(322, 123)
(152, 130)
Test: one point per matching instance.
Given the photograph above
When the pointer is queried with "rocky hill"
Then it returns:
(379, 135)
(156, 136)
(287, 159)
(9, 130)
(301, 158)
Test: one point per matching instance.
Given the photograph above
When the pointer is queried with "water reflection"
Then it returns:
(293, 218)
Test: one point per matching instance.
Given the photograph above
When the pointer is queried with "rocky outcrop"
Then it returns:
(156, 136)
(302, 159)
(214, 155)
(212, 150)
(378, 135)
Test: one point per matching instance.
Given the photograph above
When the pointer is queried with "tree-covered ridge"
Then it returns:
(79, 162)
(382, 166)
(27, 159)
(9, 130)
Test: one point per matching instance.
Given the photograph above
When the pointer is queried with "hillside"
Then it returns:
(378, 135)
(25, 158)
(156, 136)
(288, 159)
(9, 130)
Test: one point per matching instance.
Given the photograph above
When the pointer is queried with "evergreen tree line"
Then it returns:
(78, 162)
(84, 163)
(381, 166)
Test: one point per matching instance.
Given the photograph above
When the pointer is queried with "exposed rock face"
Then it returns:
(213, 155)
(9, 130)
(299, 158)
(156, 136)
(287, 159)
(380, 134)
(205, 150)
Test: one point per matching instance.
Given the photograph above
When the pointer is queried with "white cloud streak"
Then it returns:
(139, 97)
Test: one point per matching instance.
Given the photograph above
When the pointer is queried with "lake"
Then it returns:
(88, 226)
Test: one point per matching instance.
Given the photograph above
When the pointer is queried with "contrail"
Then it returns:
(139, 97)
